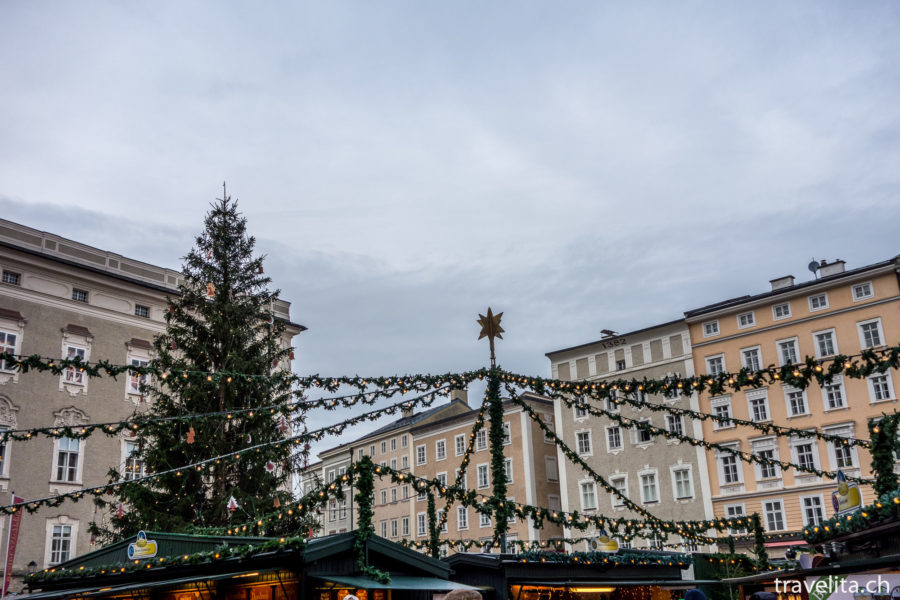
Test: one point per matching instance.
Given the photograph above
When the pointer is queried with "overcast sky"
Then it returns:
(576, 165)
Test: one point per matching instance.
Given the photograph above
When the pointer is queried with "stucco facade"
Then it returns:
(667, 478)
(841, 312)
(59, 298)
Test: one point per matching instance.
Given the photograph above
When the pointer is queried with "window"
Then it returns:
(796, 401)
(813, 513)
(60, 544)
(581, 411)
(422, 494)
(648, 488)
(12, 278)
(383, 497)
(548, 434)
(331, 475)
(420, 455)
(462, 517)
(787, 351)
(862, 291)
(74, 374)
(134, 464)
(344, 508)
(818, 302)
(843, 456)
(583, 442)
(79, 295)
(833, 393)
(729, 470)
(404, 526)
(621, 486)
(774, 511)
(735, 511)
(7, 344)
(404, 492)
(393, 494)
(642, 435)
(484, 479)
(403, 441)
(359, 454)
(512, 517)
(507, 434)
(675, 424)
(372, 450)
(421, 523)
(758, 405)
(781, 311)
(721, 408)
(135, 380)
(747, 319)
(393, 463)
(393, 444)
(870, 334)
(442, 478)
(332, 511)
(750, 357)
(588, 495)
(612, 401)
(614, 438)
(440, 450)
(142, 311)
(710, 328)
(394, 528)
(552, 471)
(681, 482)
(459, 444)
(880, 387)
(383, 447)
(67, 460)
(715, 365)
(690, 544)
(484, 520)
(3, 459)
(508, 469)
(441, 520)
(481, 440)
(384, 530)
(806, 454)
(404, 462)
(620, 365)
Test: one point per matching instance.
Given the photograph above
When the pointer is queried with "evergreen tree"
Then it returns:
(222, 321)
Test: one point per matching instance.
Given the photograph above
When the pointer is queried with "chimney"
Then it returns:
(406, 411)
(459, 394)
(782, 282)
(826, 268)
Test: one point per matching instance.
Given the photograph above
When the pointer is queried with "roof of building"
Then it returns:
(735, 302)
(615, 337)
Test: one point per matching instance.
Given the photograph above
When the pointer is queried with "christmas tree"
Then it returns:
(222, 322)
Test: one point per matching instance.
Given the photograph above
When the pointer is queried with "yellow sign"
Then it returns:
(847, 498)
(605, 544)
(142, 547)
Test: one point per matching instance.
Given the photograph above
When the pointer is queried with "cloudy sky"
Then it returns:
(576, 165)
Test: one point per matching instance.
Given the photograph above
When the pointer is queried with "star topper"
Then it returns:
(490, 328)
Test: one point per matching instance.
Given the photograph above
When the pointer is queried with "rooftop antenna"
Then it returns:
(814, 267)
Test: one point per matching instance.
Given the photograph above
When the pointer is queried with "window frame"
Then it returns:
(721, 456)
(888, 380)
(615, 501)
(707, 361)
(81, 295)
(754, 395)
(836, 382)
(423, 459)
(590, 485)
(7, 277)
(440, 445)
(609, 447)
(879, 330)
(776, 317)
(706, 332)
(61, 521)
(751, 322)
(765, 510)
(868, 296)
(793, 341)
(656, 485)
(590, 442)
(718, 423)
(834, 342)
(811, 297)
(459, 450)
(682, 468)
(79, 462)
(487, 472)
(822, 514)
(759, 358)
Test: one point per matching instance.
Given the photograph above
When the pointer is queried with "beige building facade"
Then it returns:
(839, 312)
(60, 298)
(667, 478)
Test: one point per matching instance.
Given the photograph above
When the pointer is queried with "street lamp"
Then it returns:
(32, 567)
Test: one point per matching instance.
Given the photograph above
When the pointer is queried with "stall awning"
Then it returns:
(398, 582)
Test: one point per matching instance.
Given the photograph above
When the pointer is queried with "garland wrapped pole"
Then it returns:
(491, 329)
(883, 433)
(759, 548)
(434, 530)
(365, 486)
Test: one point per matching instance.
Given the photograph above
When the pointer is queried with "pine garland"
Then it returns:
(498, 460)
(759, 541)
(434, 532)
(883, 432)
(365, 490)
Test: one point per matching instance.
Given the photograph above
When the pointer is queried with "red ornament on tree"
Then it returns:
(120, 510)
(190, 435)
(232, 505)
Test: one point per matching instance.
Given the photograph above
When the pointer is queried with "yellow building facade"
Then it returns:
(839, 312)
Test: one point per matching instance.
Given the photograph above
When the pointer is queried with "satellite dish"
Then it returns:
(813, 266)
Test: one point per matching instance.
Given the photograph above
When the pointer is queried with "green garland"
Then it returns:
(464, 463)
(759, 543)
(434, 532)
(626, 557)
(365, 489)
(167, 562)
(884, 510)
(747, 457)
(498, 460)
(883, 432)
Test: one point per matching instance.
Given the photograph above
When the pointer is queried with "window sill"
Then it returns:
(839, 408)
(882, 401)
(615, 451)
(799, 416)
